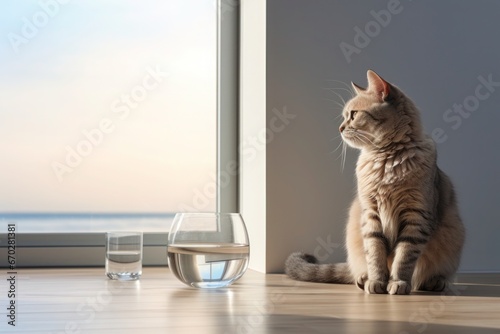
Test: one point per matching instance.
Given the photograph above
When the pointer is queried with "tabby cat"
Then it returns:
(404, 231)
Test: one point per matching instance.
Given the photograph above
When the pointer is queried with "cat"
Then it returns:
(404, 231)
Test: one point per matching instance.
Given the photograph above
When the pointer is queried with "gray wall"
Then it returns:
(435, 52)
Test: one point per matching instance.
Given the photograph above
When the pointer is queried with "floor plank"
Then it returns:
(83, 300)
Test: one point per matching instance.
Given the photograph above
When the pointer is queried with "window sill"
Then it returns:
(74, 249)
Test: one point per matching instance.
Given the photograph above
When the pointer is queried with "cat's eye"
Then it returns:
(353, 114)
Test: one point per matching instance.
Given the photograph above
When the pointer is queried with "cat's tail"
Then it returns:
(305, 267)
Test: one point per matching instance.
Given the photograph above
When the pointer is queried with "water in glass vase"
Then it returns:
(208, 265)
(123, 265)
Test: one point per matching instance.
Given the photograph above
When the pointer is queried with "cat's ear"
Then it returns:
(378, 85)
(357, 88)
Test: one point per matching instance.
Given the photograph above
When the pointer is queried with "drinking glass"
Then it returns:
(124, 255)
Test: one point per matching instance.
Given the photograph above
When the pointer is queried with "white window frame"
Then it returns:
(87, 249)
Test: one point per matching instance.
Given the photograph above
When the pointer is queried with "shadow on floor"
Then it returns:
(467, 290)
(309, 324)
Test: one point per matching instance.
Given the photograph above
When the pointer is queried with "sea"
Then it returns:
(63, 222)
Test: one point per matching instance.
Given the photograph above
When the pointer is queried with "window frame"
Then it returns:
(87, 249)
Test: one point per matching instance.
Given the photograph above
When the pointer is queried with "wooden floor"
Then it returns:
(85, 301)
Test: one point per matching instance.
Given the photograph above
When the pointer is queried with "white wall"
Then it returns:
(434, 51)
(252, 123)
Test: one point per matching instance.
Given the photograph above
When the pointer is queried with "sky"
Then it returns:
(107, 106)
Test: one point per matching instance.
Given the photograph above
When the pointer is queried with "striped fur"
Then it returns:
(305, 267)
(404, 230)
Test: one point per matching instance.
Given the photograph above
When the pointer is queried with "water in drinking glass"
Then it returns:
(123, 265)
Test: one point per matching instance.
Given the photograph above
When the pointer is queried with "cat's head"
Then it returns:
(379, 116)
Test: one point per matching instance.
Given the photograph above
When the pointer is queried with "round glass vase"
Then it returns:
(208, 250)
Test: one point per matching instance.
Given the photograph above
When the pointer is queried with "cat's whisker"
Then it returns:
(336, 102)
(340, 156)
(365, 134)
(361, 139)
(339, 96)
(338, 146)
(364, 138)
(344, 153)
(349, 88)
(339, 88)
(337, 137)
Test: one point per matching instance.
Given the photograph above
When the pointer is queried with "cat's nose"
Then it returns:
(342, 128)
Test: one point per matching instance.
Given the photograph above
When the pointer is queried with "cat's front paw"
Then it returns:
(361, 280)
(399, 288)
(375, 287)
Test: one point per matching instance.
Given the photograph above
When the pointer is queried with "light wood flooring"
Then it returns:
(84, 301)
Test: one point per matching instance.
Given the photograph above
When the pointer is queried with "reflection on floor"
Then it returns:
(84, 301)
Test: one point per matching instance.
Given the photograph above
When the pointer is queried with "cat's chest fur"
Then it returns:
(387, 180)
(380, 173)
(383, 172)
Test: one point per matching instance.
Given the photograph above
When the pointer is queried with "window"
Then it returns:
(109, 114)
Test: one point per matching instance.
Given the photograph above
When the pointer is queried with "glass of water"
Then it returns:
(124, 255)
(208, 250)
